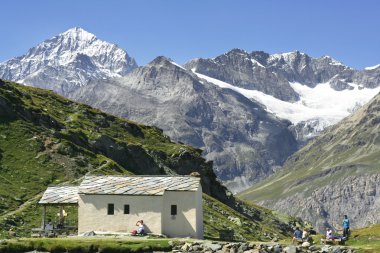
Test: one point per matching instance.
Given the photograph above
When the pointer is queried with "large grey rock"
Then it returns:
(212, 246)
(327, 249)
(290, 249)
(186, 247)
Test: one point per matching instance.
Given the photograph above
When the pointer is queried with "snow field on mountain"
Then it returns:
(372, 67)
(322, 102)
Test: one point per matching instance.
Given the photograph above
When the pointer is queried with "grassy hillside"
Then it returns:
(48, 140)
(366, 239)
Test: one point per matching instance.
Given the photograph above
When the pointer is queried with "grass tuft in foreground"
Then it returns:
(85, 245)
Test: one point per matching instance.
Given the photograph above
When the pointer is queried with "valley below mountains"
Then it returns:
(248, 112)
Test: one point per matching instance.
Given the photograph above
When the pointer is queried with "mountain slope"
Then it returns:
(337, 173)
(68, 61)
(312, 93)
(245, 142)
(49, 140)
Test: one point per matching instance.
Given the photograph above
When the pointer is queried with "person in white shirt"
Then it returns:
(329, 234)
(141, 229)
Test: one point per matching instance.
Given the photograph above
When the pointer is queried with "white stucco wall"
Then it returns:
(154, 210)
(189, 219)
(92, 213)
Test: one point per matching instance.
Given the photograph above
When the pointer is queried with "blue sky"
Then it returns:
(347, 30)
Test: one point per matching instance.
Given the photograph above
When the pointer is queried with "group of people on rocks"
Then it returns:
(305, 234)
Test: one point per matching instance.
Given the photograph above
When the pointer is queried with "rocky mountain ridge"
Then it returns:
(261, 71)
(313, 93)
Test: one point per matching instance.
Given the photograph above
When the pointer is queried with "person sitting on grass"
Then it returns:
(297, 235)
(330, 236)
(141, 229)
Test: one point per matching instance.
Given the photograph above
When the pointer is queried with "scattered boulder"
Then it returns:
(245, 247)
(91, 233)
(291, 249)
(235, 220)
(186, 247)
(326, 249)
(213, 246)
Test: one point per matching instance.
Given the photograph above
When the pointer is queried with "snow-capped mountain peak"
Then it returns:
(67, 61)
(79, 34)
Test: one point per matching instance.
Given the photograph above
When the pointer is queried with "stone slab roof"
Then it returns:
(60, 195)
(137, 185)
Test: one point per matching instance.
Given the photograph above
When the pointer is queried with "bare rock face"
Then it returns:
(246, 71)
(271, 74)
(356, 196)
(68, 61)
(245, 142)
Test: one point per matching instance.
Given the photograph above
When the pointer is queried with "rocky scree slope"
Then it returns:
(245, 142)
(47, 140)
(68, 61)
(337, 173)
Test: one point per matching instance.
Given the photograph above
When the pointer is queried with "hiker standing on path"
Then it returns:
(346, 226)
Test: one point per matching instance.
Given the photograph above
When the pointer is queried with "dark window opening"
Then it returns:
(126, 209)
(173, 210)
(110, 209)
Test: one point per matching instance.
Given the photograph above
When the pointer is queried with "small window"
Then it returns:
(173, 210)
(126, 209)
(111, 209)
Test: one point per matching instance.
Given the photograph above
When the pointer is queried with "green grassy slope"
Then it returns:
(47, 140)
(366, 239)
(351, 147)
